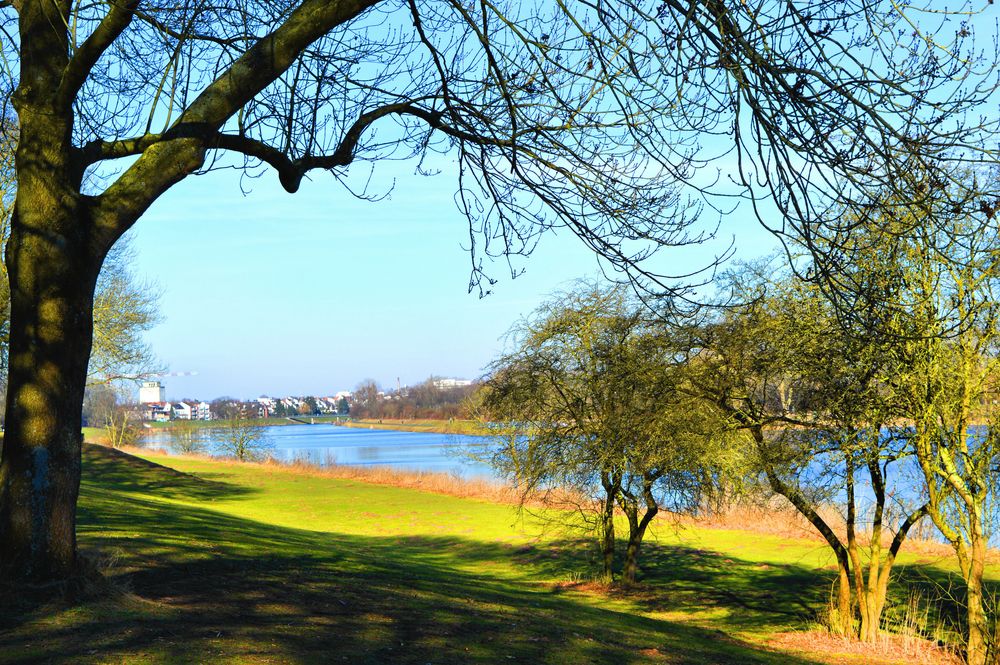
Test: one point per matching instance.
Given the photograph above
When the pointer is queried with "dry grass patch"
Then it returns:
(889, 649)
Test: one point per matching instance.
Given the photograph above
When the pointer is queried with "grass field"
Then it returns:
(222, 562)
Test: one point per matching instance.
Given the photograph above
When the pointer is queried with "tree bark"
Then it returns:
(637, 529)
(53, 257)
(608, 527)
(976, 647)
(52, 278)
(844, 615)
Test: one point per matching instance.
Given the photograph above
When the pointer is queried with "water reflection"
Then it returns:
(324, 445)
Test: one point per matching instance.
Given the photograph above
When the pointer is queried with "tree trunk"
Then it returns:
(607, 527)
(635, 536)
(53, 257)
(52, 289)
(637, 529)
(976, 647)
(631, 567)
(843, 620)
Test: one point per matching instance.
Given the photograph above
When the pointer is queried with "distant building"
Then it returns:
(181, 411)
(191, 410)
(152, 392)
(443, 384)
(160, 412)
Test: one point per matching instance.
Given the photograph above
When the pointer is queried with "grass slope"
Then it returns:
(250, 564)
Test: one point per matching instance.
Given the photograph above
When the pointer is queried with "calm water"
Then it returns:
(328, 444)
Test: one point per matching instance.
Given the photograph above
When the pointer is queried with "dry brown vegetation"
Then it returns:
(427, 481)
(888, 649)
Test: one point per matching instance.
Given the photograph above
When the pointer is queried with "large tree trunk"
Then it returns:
(53, 258)
(52, 289)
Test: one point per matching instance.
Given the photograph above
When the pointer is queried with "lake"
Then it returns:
(326, 444)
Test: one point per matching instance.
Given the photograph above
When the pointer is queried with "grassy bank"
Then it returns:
(469, 427)
(223, 562)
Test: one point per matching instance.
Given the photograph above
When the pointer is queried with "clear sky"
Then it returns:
(271, 293)
(311, 293)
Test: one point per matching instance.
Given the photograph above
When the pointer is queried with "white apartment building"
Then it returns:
(152, 392)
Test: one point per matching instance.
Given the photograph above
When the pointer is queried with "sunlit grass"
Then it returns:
(223, 562)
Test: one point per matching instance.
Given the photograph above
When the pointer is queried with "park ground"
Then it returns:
(213, 561)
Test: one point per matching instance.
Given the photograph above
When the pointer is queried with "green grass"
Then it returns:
(254, 564)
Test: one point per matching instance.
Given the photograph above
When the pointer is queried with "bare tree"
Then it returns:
(589, 415)
(586, 116)
(944, 279)
(124, 308)
(366, 400)
(106, 406)
(812, 399)
(244, 438)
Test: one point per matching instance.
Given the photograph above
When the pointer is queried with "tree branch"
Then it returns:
(290, 171)
(114, 23)
(165, 163)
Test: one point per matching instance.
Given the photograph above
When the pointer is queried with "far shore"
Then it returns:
(439, 426)
(451, 426)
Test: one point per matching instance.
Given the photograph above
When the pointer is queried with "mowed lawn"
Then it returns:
(220, 562)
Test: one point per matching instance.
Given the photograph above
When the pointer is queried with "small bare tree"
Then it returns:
(106, 406)
(244, 438)
(122, 425)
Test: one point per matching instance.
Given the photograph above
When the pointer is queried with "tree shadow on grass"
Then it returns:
(117, 471)
(741, 595)
(206, 586)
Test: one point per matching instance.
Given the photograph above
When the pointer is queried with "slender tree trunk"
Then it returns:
(635, 537)
(607, 535)
(631, 564)
(864, 606)
(976, 648)
(637, 531)
(844, 617)
(873, 599)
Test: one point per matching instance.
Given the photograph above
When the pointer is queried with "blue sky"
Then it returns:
(310, 293)
(271, 293)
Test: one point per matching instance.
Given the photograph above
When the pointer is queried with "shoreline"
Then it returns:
(436, 426)
(455, 426)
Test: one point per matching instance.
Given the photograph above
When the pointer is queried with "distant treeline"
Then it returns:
(430, 399)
